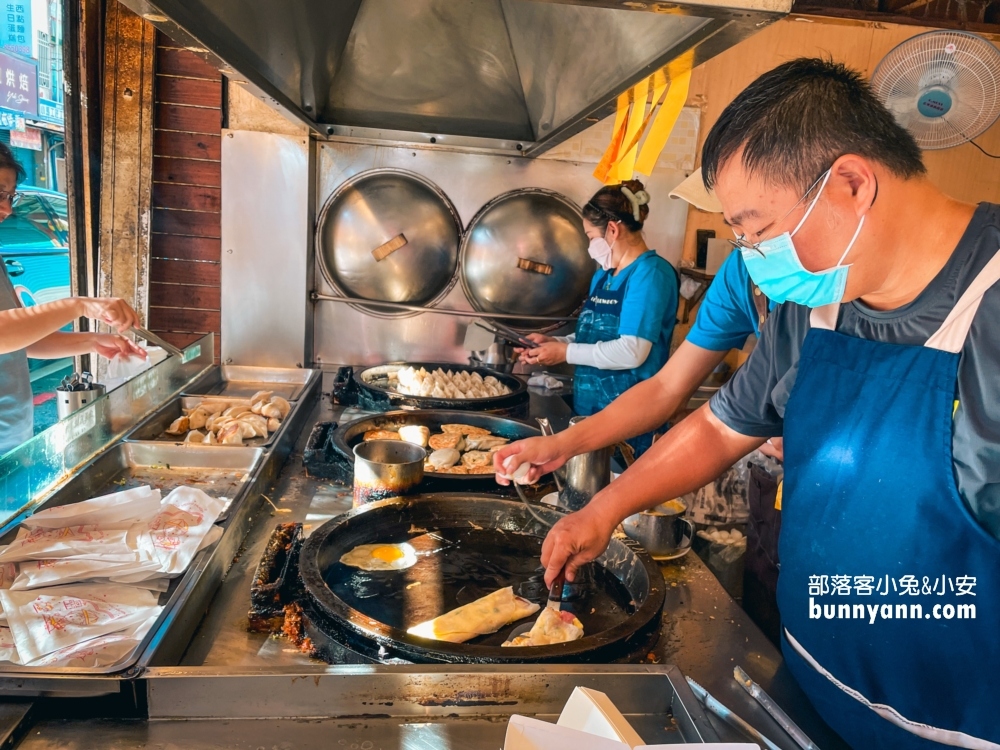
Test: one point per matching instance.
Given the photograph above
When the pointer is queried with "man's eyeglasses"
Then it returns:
(13, 197)
(741, 239)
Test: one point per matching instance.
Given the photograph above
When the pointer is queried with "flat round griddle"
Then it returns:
(374, 381)
(346, 436)
(469, 546)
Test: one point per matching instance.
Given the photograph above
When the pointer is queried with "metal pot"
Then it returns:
(386, 468)
(662, 531)
(499, 356)
(583, 476)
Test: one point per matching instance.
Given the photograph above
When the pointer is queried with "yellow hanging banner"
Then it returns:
(680, 82)
(610, 158)
(635, 121)
(657, 94)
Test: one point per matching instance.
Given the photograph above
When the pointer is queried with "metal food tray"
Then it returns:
(154, 426)
(458, 707)
(164, 467)
(239, 381)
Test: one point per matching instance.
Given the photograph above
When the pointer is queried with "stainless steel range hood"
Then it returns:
(507, 75)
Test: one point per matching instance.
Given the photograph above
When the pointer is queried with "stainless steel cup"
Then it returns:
(583, 476)
(386, 468)
(68, 402)
(662, 531)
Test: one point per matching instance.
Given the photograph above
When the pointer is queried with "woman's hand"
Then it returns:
(545, 454)
(574, 541)
(111, 310)
(111, 345)
(548, 354)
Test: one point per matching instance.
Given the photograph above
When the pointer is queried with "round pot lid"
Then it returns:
(389, 235)
(525, 252)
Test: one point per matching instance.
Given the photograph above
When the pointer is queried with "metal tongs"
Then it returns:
(152, 338)
(83, 381)
(507, 334)
(757, 692)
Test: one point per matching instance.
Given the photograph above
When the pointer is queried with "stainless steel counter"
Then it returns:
(705, 634)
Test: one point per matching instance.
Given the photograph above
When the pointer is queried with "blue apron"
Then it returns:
(594, 388)
(872, 517)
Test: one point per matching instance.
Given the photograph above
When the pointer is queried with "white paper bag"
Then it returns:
(38, 573)
(176, 533)
(88, 541)
(103, 651)
(8, 651)
(115, 510)
(53, 618)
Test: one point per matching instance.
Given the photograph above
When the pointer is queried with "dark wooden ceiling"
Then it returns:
(981, 16)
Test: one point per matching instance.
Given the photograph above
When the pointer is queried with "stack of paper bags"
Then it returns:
(80, 584)
(589, 720)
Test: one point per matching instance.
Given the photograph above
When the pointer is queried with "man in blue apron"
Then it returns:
(880, 367)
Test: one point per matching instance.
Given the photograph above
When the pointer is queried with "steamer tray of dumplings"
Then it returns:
(431, 385)
(469, 436)
(454, 549)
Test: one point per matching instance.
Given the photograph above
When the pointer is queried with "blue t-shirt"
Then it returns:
(727, 315)
(649, 308)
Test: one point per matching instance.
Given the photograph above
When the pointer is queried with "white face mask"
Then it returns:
(601, 252)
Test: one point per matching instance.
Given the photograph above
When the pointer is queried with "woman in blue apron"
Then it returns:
(623, 333)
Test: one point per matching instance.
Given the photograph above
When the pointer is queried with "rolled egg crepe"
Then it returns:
(551, 627)
(485, 615)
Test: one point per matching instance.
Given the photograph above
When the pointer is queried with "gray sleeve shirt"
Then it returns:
(753, 402)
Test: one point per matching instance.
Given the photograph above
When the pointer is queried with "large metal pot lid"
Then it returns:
(389, 235)
(525, 252)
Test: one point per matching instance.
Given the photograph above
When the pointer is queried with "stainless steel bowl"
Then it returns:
(662, 531)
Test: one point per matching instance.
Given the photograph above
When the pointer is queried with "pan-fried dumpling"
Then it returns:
(444, 458)
(490, 380)
(179, 426)
(415, 433)
(195, 436)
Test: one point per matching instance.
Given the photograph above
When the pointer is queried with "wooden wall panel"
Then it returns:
(127, 159)
(185, 295)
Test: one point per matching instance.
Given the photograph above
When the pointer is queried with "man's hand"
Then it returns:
(111, 345)
(111, 310)
(774, 448)
(575, 540)
(545, 454)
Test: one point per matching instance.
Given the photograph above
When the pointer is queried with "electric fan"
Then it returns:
(942, 86)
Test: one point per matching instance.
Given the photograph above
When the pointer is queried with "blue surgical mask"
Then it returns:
(775, 267)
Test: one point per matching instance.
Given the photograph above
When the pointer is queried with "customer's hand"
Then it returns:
(111, 310)
(111, 345)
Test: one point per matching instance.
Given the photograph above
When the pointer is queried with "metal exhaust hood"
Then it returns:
(515, 76)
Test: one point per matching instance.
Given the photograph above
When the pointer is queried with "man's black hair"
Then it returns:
(7, 161)
(794, 121)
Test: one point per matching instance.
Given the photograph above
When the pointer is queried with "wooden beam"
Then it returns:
(127, 163)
